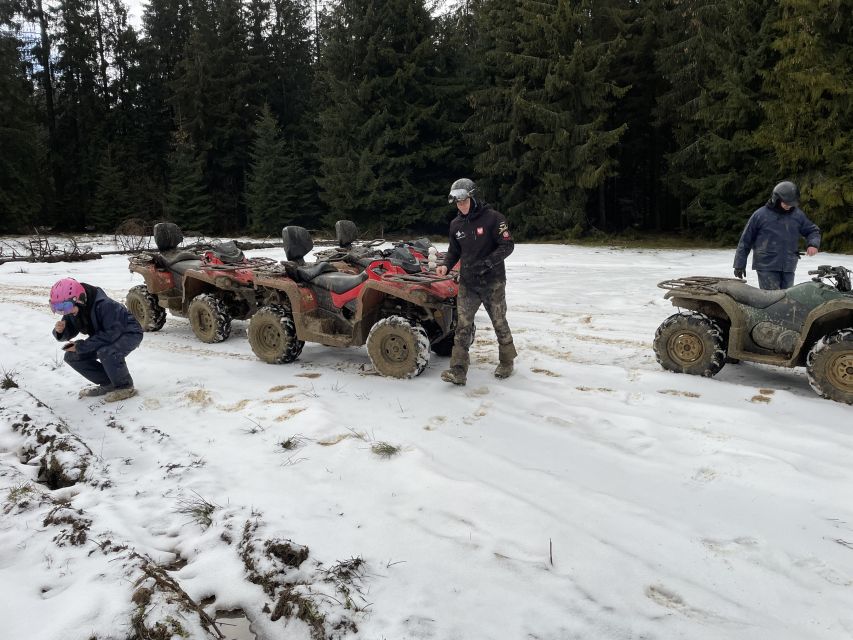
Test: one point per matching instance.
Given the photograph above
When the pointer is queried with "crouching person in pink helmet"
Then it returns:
(113, 333)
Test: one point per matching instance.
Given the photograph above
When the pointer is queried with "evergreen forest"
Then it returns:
(577, 118)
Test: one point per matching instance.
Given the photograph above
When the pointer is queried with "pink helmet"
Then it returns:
(64, 291)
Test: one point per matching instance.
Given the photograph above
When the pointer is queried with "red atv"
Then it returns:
(398, 312)
(210, 285)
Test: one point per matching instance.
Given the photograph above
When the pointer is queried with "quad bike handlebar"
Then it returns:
(839, 275)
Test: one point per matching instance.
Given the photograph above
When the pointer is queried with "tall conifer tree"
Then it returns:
(544, 119)
(187, 202)
(22, 141)
(378, 147)
(809, 124)
(80, 111)
(714, 103)
(211, 97)
(272, 200)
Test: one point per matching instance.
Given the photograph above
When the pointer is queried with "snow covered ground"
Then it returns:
(592, 495)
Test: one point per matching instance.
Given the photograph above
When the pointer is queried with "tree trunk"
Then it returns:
(44, 61)
(105, 88)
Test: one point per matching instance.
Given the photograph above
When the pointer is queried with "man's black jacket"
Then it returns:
(481, 239)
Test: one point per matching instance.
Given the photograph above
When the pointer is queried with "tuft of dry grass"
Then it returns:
(199, 509)
(385, 449)
(8, 380)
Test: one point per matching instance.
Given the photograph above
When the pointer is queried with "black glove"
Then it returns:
(740, 273)
(482, 267)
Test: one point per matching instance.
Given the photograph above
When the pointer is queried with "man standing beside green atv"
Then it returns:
(773, 234)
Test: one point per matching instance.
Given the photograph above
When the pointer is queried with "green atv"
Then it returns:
(810, 324)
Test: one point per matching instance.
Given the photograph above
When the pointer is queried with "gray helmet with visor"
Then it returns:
(462, 189)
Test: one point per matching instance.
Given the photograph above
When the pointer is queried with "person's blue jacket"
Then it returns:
(103, 319)
(773, 236)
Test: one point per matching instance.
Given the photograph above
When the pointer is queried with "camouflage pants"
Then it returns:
(492, 295)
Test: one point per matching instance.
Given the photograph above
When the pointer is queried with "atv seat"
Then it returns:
(749, 295)
(339, 282)
(167, 259)
(307, 273)
(422, 245)
(228, 252)
(182, 266)
(403, 258)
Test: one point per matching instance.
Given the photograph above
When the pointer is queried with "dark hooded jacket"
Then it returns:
(482, 241)
(103, 319)
(773, 236)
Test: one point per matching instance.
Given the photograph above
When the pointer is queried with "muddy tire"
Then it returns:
(690, 343)
(209, 318)
(444, 347)
(398, 348)
(142, 304)
(829, 366)
(272, 335)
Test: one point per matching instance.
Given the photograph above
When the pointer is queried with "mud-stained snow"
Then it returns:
(592, 495)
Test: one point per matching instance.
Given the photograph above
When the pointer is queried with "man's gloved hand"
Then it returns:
(483, 267)
(740, 273)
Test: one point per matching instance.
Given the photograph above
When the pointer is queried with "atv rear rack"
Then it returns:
(424, 278)
(699, 285)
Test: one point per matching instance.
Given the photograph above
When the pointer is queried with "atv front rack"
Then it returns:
(699, 285)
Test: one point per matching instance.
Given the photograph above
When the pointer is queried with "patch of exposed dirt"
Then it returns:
(200, 397)
(288, 399)
(545, 372)
(289, 414)
(282, 387)
(278, 567)
(232, 408)
(676, 392)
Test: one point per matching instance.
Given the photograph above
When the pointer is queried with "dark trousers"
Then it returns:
(492, 295)
(775, 279)
(106, 366)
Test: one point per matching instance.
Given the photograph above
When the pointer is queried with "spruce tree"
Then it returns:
(166, 26)
(211, 100)
(378, 148)
(187, 201)
(272, 201)
(112, 202)
(80, 111)
(22, 149)
(544, 117)
(280, 59)
(809, 112)
(717, 168)
(457, 77)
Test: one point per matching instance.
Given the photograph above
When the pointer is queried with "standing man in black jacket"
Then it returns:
(480, 237)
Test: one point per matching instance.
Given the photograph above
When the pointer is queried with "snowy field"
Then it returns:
(592, 495)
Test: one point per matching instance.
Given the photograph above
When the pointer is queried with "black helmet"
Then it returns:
(786, 192)
(462, 189)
